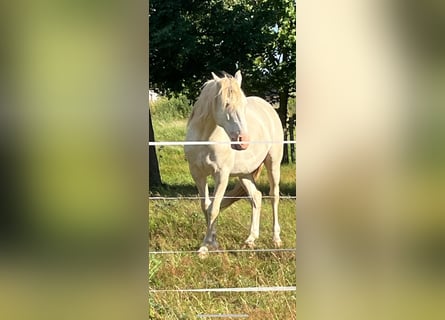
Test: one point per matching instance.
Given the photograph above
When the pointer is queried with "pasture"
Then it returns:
(178, 224)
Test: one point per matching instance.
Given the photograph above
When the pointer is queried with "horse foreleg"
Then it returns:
(205, 200)
(203, 189)
(221, 181)
(255, 196)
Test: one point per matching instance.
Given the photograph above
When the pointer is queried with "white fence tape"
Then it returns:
(225, 251)
(199, 198)
(200, 143)
(244, 289)
(221, 315)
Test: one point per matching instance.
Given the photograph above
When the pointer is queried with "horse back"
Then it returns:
(261, 115)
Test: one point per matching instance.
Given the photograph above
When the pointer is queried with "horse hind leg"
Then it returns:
(255, 197)
(233, 195)
(239, 190)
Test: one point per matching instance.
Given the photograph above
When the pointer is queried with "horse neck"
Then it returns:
(203, 126)
(202, 120)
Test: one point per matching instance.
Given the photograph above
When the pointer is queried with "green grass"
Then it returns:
(179, 225)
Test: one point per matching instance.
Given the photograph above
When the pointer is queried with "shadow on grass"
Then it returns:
(165, 190)
(286, 189)
(190, 190)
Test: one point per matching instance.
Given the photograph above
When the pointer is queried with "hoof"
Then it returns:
(249, 244)
(277, 243)
(203, 252)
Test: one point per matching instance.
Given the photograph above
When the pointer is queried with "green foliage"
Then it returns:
(153, 267)
(171, 108)
(291, 106)
(274, 67)
(189, 39)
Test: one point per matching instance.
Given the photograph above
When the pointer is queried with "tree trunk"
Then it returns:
(292, 121)
(154, 175)
(282, 113)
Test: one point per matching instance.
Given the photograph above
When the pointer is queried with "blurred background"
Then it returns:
(370, 141)
(370, 169)
(74, 176)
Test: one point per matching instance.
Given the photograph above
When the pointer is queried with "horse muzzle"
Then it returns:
(243, 142)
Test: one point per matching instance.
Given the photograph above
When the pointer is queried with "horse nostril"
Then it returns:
(243, 140)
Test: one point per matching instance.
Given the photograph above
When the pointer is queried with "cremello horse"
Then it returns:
(244, 133)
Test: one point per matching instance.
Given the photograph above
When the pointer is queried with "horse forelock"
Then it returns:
(230, 93)
(226, 92)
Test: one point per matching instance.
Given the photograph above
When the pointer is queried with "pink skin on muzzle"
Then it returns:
(244, 142)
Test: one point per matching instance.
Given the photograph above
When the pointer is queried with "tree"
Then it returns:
(189, 39)
(275, 67)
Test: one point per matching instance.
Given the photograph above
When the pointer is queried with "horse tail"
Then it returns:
(238, 190)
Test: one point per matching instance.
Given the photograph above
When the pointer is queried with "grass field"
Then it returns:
(179, 225)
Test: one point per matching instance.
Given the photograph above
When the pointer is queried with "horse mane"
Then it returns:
(226, 92)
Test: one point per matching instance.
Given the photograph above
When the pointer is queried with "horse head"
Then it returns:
(230, 109)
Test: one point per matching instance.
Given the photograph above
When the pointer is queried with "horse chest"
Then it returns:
(209, 160)
(217, 160)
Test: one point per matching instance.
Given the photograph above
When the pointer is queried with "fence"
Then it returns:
(184, 252)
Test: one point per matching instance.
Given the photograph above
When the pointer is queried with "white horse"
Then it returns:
(234, 125)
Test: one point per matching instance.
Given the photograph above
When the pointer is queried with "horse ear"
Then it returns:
(215, 77)
(238, 77)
